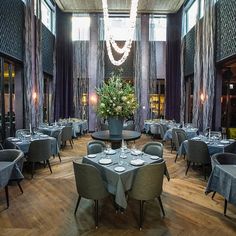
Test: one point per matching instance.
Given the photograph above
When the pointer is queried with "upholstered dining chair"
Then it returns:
(57, 135)
(174, 139)
(181, 136)
(95, 146)
(14, 158)
(155, 130)
(153, 148)
(104, 126)
(223, 159)
(89, 185)
(66, 135)
(39, 150)
(198, 153)
(163, 129)
(147, 185)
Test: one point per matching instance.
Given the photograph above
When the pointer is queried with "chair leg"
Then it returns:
(7, 195)
(161, 205)
(96, 213)
(59, 156)
(18, 183)
(77, 204)
(141, 203)
(49, 166)
(213, 195)
(176, 156)
(32, 170)
(225, 207)
(188, 165)
(71, 144)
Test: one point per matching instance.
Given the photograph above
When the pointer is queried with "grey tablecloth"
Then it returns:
(223, 181)
(5, 172)
(24, 145)
(118, 182)
(213, 147)
(49, 130)
(192, 132)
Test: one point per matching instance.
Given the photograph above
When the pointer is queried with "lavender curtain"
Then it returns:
(33, 72)
(64, 66)
(208, 61)
(173, 77)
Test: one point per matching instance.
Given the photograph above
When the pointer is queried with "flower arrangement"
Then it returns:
(116, 98)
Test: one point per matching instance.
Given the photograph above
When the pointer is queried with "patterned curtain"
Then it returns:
(80, 74)
(197, 106)
(183, 89)
(138, 75)
(33, 73)
(208, 62)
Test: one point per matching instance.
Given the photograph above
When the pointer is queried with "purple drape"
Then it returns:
(173, 69)
(64, 66)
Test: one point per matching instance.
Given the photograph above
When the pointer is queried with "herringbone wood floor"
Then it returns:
(48, 202)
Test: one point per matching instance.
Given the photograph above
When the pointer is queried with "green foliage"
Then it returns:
(116, 98)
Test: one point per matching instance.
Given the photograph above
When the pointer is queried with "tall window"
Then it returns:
(192, 14)
(80, 28)
(157, 29)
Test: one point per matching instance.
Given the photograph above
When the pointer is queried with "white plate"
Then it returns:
(43, 135)
(137, 162)
(119, 168)
(220, 145)
(110, 152)
(224, 141)
(15, 139)
(196, 138)
(105, 161)
(136, 152)
(232, 140)
(19, 142)
(154, 157)
(91, 155)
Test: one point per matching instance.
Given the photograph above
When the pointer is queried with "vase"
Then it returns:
(115, 126)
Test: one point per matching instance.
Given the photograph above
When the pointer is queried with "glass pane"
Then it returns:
(46, 15)
(192, 15)
(202, 8)
(80, 28)
(157, 29)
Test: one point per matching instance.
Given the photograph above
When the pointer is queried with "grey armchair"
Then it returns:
(181, 136)
(95, 146)
(66, 135)
(89, 185)
(155, 130)
(39, 150)
(147, 185)
(198, 153)
(14, 158)
(153, 148)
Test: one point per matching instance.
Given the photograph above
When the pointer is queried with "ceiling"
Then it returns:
(120, 6)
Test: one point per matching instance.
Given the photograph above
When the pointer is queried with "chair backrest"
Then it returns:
(66, 133)
(175, 137)
(153, 148)
(163, 129)
(223, 159)
(198, 152)
(181, 137)
(148, 182)
(11, 155)
(129, 126)
(89, 182)
(95, 146)
(155, 129)
(39, 150)
(57, 135)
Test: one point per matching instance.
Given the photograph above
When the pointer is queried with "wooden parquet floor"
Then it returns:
(48, 202)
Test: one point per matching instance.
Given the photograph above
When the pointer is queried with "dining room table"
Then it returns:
(223, 181)
(23, 142)
(118, 168)
(214, 145)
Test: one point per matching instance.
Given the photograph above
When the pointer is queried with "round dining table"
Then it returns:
(127, 135)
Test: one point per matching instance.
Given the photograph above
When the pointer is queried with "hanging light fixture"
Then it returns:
(125, 50)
